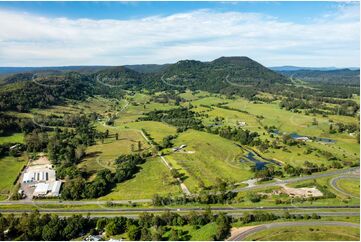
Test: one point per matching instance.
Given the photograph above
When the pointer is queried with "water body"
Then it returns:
(294, 135)
(260, 164)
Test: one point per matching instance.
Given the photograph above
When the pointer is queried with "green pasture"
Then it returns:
(153, 178)
(10, 168)
(206, 158)
(14, 138)
(307, 233)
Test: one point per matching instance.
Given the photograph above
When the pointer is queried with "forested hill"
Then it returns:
(227, 75)
(339, 76)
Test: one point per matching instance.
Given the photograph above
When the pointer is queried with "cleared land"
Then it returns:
(153, 178)
(10, 168)
(206, 158)
(308, 233)
(351, 186)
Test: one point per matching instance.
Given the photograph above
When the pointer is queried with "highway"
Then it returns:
(227, 209)
(342, 172)
(242, 235)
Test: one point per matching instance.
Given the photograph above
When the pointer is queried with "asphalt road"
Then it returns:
(298, 179)
(215, 209)
(334, 185)
(98, 202)
(244, 234)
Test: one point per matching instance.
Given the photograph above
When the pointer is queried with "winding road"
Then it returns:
(243, 234)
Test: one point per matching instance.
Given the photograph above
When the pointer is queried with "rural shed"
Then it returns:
(28, 177)
(55, 188)
(41, 189)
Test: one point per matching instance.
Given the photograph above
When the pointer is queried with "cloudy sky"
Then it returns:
(319, 34)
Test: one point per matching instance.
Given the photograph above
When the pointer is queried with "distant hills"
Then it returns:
(298, 68)
(238, 75)
(338, 76)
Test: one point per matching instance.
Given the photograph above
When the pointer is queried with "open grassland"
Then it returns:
(308, 233)
(351, 186)
(14, 138)
(206, 158)
(153, 178)
(157, 130)
(10, 168)
(346, 147)
(102, 155)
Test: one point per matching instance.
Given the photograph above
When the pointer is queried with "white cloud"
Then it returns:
(30, 40)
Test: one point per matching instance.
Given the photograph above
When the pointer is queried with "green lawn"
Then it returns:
(10, 168)
(308, 233)
(153, 178)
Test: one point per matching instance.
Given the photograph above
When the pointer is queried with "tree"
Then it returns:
(139, 146)
(133, 232)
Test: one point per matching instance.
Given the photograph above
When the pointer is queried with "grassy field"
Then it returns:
(102, 155)
(308, 233)
(208, 157)
(14, 138)
(154, 178)
(157, 130)
(351, 186)
(10, 168)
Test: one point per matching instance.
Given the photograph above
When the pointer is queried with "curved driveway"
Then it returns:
(244, 234)
(334, 185)
(301, 178)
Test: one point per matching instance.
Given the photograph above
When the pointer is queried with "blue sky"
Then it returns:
(292, 11)
(116, 33)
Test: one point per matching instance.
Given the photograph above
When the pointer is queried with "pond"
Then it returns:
(259, 164)
(294, 135)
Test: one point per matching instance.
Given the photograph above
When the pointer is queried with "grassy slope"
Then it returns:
(350, 185)
(102, 156)
(14, 138)
(315, 233)
(10, 168)
(154, 178)
(213, 157)
(157, 130)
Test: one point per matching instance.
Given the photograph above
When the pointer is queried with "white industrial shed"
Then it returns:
(41, 189)
(51, 189)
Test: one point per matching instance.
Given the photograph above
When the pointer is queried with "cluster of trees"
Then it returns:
(204, 197)
(265, 216)
(342, 127)
(318, 106)
(182, 118)
(11, 124)
(307, 169)
(15, 151)
(35, 226)
(245, 137)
